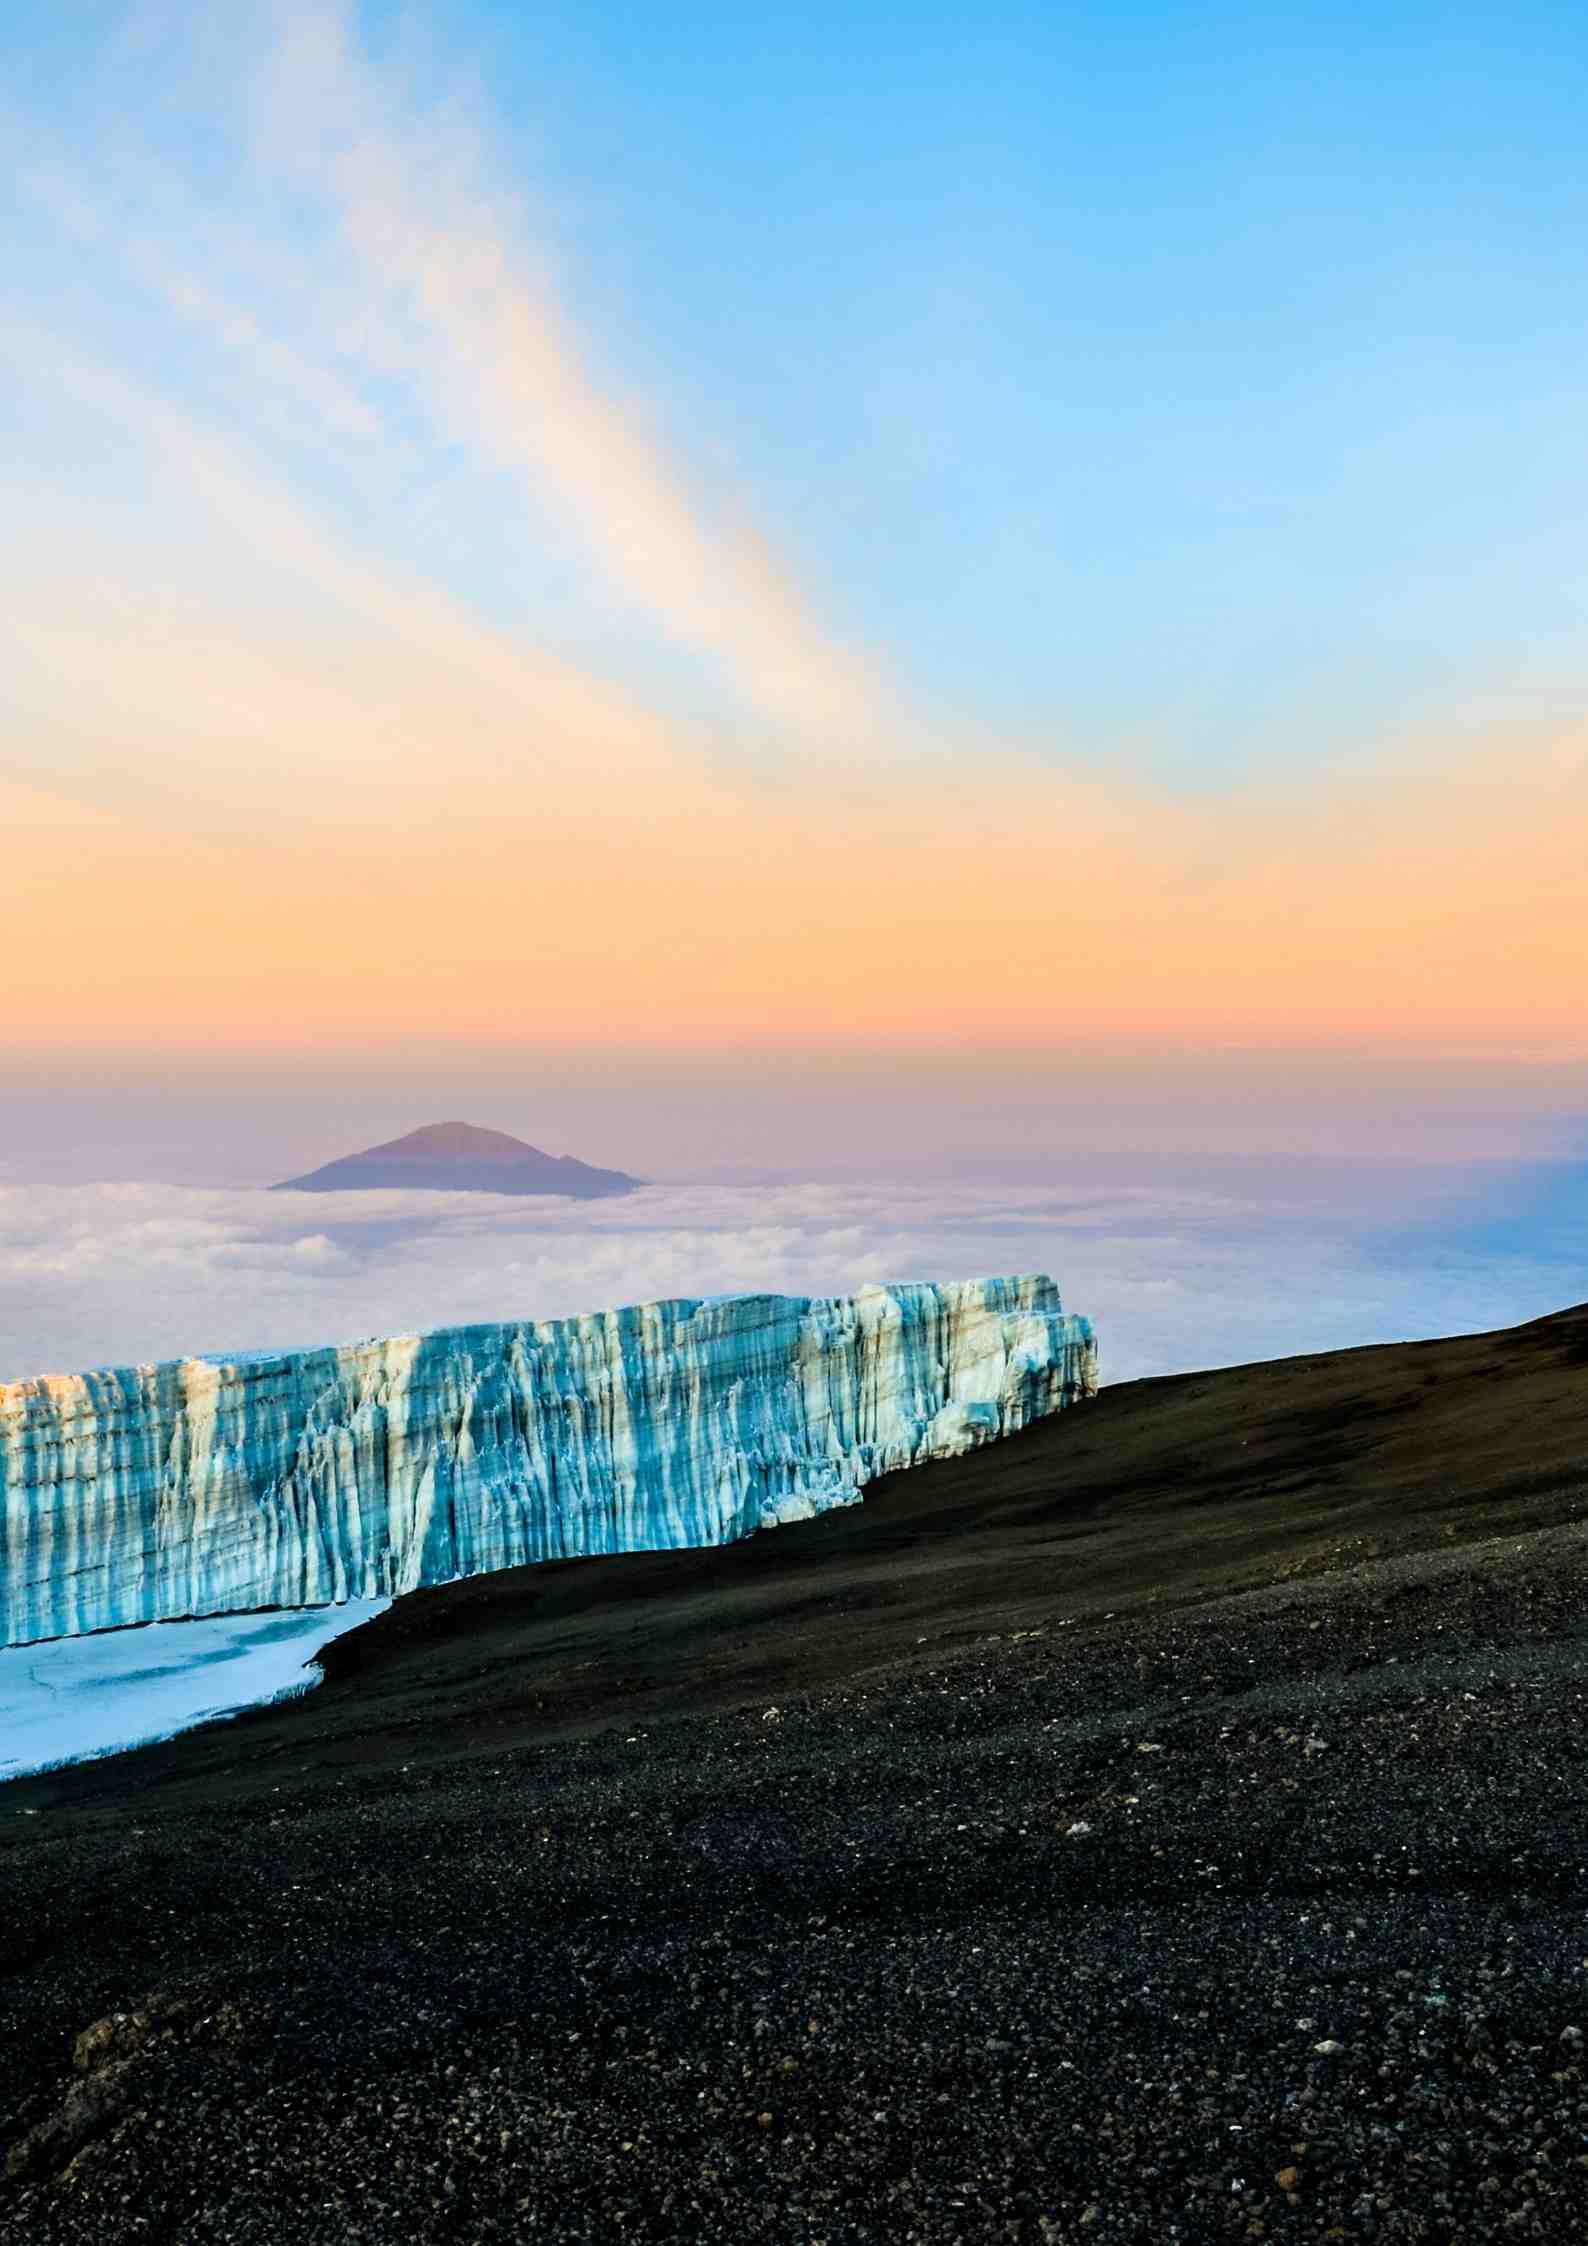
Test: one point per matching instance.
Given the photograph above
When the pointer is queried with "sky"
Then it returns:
(843, 589)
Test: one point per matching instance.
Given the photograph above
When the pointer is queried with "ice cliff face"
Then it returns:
(206, 1488)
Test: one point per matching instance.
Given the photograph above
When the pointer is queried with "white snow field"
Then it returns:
(70, 1699)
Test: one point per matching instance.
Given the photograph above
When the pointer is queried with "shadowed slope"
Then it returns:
(966, 1869)
(1160, 1492)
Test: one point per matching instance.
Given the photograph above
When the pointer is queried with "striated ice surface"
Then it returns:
(202, 1487)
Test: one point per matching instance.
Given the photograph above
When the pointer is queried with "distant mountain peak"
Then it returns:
(461, 1138)
(458, 1157)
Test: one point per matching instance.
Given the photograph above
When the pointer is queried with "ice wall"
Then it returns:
(204, 1488)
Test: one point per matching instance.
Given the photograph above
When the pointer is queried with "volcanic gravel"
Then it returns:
(1252, 1912)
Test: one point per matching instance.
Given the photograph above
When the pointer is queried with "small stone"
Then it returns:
(1328, 2048)
(1287, 2178)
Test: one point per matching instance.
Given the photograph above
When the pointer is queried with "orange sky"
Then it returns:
(653, 902)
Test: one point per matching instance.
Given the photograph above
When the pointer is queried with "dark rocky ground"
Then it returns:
(1170, 1825)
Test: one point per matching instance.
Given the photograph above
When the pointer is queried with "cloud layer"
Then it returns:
(1176, 1274)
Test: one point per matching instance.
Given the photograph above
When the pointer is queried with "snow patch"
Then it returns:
(69, 1700)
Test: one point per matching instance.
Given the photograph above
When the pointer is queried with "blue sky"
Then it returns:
(1200, 381)
(1199, 384)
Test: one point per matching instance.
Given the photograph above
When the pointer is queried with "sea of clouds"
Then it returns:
(1179, 1266)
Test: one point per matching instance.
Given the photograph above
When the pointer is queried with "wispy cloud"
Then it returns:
(466, 303)
(258, 635)
(379, 286)
(276, 369)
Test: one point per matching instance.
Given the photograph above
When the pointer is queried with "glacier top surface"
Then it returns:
(1034, 1290)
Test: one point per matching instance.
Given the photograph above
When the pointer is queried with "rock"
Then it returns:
(121, 2035)
(110, 2055)
(88, 2109)
(117, 2035)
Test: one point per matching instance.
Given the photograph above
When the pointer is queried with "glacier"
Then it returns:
(206, 1486)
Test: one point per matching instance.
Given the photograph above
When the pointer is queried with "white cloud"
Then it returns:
(369, 288)
(1174, 1275)
(462, 299)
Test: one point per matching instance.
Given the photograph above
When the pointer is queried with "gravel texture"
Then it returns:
(1249, 1904)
